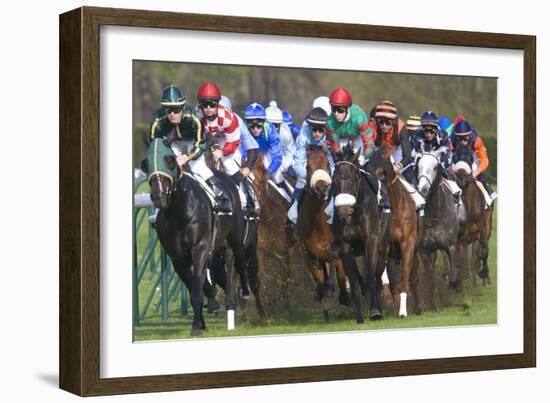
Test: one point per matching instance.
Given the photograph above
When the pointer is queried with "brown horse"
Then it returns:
(477, 230)
(314, 231)
(404, 229)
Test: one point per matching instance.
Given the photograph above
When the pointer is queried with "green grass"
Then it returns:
(476, 306)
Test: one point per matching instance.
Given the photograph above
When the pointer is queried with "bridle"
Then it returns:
(357, 174)
(424, 176)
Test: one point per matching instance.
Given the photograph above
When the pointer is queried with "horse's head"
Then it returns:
(346, 182)
(318, 171)
(161, 169)
(463, 159)
(428, 171)
(380, 163)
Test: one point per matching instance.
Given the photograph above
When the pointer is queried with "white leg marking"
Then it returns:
(403, 304)
(230, 319)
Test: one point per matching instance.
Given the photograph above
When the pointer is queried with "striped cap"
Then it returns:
(413, 123)
(386, 110)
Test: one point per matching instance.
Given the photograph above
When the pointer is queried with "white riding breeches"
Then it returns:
(230, 164)
(198, 167)
(277, 175)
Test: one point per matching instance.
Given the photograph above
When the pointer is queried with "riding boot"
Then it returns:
(489, 189)
(223, 204)
(290, 227)
(283, 185)
(250, 201)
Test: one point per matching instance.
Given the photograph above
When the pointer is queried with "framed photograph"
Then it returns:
(249, 201)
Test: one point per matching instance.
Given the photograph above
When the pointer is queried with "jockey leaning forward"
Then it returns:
(311, 134)
(391, 131)
(181, 127)
(430, 138)
(249, 149)
(465, 134)
(348, 124)
(269, 145)
(275, 116)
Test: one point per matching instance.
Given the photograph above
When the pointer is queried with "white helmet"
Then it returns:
(322, 102)
(273, 113)
(226, 102)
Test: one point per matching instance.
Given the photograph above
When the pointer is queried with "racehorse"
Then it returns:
(356, 230)
(190, 232)
(405, 226)
(441, 220)
(477, 230)
(313, 229)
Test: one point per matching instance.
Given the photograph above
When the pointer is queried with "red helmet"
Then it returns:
(340, 97)
(209, 91)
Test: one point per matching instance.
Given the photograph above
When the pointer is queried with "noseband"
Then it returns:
(356, 171)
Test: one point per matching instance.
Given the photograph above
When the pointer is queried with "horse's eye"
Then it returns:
(170, 162)
(145, 166)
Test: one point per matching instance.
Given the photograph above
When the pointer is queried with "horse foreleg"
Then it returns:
(318, 275)
(252, 268)
(407, 257)
(199, 254)
(350, 267)
(455, 280)
(373, 281)
(476, 260)
(343, 296)
(483, 256)
(230, 294)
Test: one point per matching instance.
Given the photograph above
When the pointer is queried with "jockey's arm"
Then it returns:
(276, 151)
(367, 135)
(232, 134)
(200, 142)
(483, 158)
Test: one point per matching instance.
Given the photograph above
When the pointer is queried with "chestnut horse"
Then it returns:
(313, 229)
(477, 230)
(405, 226)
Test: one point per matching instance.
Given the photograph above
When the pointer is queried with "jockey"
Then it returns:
(269, 144)
(430, 138)
(312, 133)
(250, 150)
(391, 131)
(294, 128)
(347, 123)
(275, 116)
(465, 134)
(181, 126)
(413, 124)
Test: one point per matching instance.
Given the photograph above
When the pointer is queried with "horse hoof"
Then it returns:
(244, 295)
(360, 321)
(213, 306)
(196, 332)
(375, 314)
(344, 299)
(486, 282)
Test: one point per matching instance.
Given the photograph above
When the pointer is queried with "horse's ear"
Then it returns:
(144, 166)
(356, 156)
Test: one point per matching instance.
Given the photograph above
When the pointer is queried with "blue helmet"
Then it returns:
(463, 128)
(254, 111)
(287, 117)
(429, 118)
(445, 122)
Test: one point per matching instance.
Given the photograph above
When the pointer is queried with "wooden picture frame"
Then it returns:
(80, 199)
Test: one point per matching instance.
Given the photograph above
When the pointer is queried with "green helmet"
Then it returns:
(172, 96)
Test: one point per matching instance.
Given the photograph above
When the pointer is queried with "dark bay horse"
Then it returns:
(356, 230)
(441, 220)
(477, 230)
(190, 232)
(315, 232)
(404, 228)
